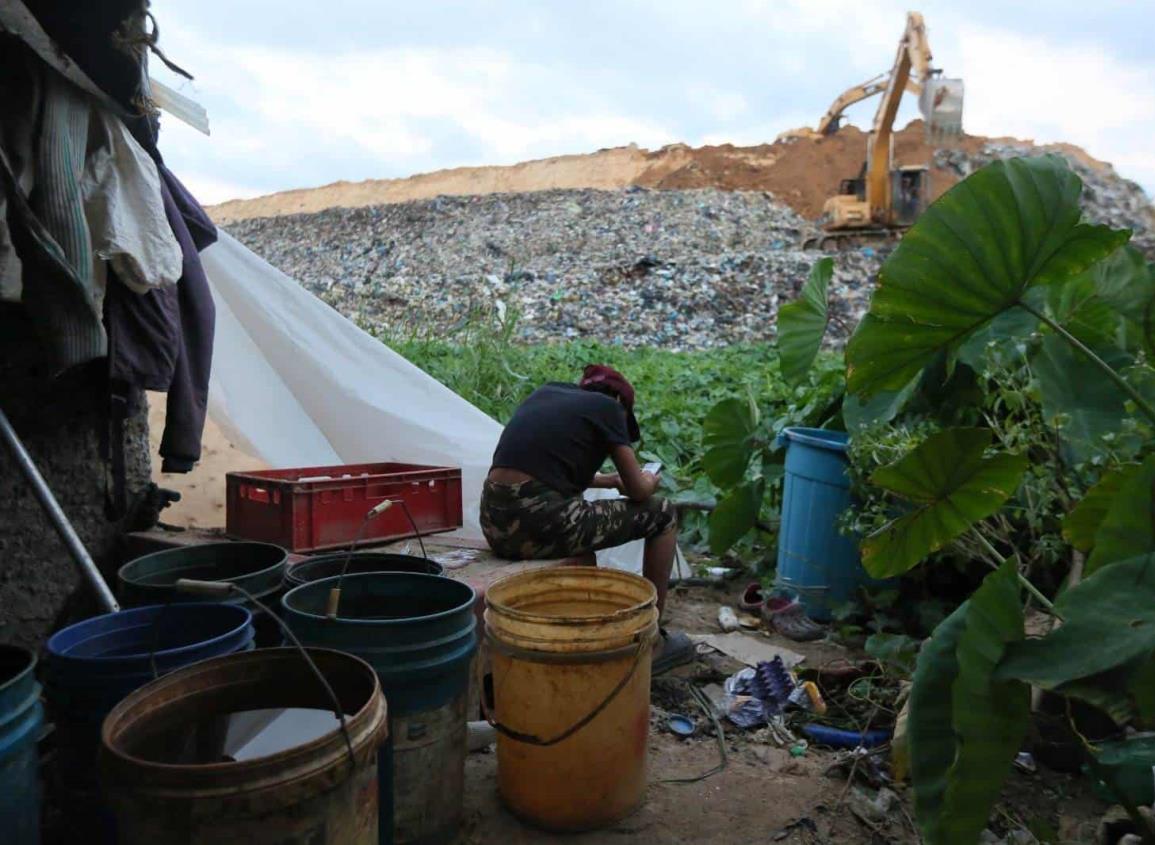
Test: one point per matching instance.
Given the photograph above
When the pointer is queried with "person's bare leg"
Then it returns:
(658, 561)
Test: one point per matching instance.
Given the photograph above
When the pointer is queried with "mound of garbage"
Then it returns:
(683, 267)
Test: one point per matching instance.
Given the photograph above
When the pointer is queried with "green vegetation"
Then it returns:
(1000, 398)
(675, 390)
(999, 395)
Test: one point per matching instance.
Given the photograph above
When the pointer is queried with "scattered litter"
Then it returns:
(1024, 761)
(808, 696)
(682, 726)
(748, 649)
(480, 735)
(719, 573)
(717, 697)
(872, 808)
(750, 623)
(758, 696)
(799, 748)
(458, 558)
(727, 619)
(838, 738)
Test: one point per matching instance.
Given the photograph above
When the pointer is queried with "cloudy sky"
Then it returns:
(302, 93)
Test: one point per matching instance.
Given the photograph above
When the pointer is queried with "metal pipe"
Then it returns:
(57, 516)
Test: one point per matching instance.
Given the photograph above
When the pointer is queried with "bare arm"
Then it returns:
(602, 481)
(635, 484)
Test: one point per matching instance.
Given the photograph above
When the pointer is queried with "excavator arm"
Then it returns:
(829, 123)
(940, 102)
(869, 200)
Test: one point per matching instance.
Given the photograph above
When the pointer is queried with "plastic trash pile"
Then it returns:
(677, 269)
(1107, 197)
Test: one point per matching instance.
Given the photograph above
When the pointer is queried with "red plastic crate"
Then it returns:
(308, 509)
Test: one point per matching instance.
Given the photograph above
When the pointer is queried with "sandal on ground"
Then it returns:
(788, 618)
(673, 649)
(752, 598)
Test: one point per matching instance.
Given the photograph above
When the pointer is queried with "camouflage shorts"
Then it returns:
(530, 521)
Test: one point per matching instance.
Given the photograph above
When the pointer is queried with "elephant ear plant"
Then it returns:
(1004, 259)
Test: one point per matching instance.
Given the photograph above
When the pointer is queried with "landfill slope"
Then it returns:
(800, 171)
(681, 269)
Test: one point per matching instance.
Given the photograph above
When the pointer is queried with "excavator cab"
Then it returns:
(909, 194)
(853, 188)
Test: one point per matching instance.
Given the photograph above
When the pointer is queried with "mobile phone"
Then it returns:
(654, 467)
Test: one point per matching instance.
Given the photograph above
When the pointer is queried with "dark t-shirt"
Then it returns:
(561, 435)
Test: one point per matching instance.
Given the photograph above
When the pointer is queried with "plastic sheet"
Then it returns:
(297, 384)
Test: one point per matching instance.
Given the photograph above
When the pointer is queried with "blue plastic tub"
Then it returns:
(21, 718)
(92, 665)
(419, 633)
(815, 559)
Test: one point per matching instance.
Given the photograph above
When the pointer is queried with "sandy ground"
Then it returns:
(801, 171)
(763, 795)
(202, 503)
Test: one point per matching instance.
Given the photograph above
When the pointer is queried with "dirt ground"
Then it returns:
(764, 794)
(202, 503)
(801, 171)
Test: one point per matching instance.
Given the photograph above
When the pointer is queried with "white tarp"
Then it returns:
(294, 383)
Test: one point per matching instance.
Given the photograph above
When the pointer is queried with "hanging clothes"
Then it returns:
(95, 196)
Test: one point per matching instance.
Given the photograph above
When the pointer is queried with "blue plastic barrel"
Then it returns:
(93, 664)
(815, 559)
(21, 718)
(419, 633)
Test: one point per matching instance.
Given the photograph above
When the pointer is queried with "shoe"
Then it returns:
(752, 598)
(788, 618)
(673, 649)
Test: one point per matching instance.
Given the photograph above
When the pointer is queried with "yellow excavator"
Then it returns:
(883, 198)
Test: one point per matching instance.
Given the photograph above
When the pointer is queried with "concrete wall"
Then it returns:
(60, 422)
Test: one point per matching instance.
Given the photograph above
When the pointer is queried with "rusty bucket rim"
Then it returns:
(259, 768)
(519, 615)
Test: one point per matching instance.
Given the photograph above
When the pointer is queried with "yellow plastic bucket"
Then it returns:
(571, 649)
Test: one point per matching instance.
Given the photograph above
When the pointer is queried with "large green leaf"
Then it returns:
(990, 717)
(1137, 750)
(882, 407)
(970, 257)
(735, 515)
(930, 729)
(1124, 282)
(1075, 392)
(1128, 527)
(728, 437)
(1108, 620)
(953, 486)
(1082, 524)
(802, 323)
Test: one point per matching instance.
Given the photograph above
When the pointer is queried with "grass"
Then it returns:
(675, 390)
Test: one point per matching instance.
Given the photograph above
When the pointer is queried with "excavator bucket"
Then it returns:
(941, 104)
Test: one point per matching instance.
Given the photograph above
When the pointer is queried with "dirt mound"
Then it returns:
(801, 171)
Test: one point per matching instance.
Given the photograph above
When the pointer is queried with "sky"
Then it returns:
(301, 93)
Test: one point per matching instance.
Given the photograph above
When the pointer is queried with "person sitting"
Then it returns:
(551, 451)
